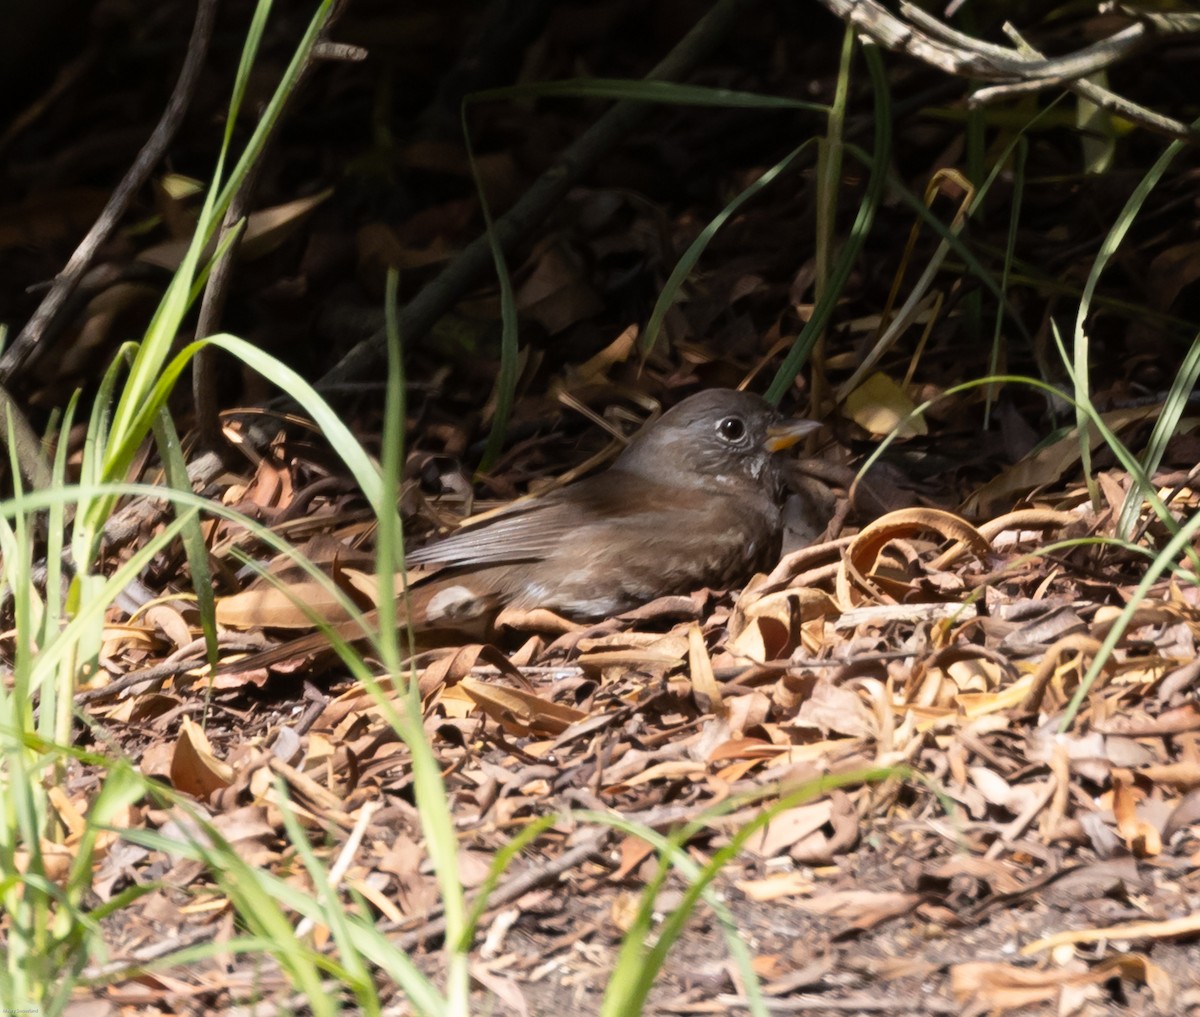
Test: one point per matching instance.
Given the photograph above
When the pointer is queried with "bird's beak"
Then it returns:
(786, 433)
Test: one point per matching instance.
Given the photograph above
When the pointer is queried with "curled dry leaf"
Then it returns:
(1036, 519)
(1004, 987)
(774, 626)
(1141, 838)
(856, 579)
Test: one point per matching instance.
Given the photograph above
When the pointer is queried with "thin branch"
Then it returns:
(212, 305)
(1015, 71)
(152, 152)
(473, 263)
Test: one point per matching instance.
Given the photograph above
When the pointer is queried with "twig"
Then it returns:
(1015, 71)
(212, 306)
(473, 263)
(1094, 94)
(516, 887)
(186, 658)
(44, 317)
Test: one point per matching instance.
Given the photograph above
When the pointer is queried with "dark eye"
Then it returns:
(732, 429)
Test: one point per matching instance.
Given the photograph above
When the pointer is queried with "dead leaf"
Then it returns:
(519, 712)
(880, 406)
(194, 768)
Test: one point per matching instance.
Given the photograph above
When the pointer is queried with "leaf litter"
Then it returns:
(921, 641)
(1018, 866)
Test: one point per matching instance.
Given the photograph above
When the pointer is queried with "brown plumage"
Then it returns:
(694, 500)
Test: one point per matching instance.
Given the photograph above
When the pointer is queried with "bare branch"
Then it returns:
(150, 155)
(1022, 69)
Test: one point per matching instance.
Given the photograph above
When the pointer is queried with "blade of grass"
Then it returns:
(825, 306)
(193, 537)
(1174, 406)
(433, 805)
(1109, 247)
(669, 93)
(687, 262)
(830, 155)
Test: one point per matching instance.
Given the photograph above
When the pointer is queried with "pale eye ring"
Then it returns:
(731, 429)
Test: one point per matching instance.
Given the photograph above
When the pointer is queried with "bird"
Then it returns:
(694, 500)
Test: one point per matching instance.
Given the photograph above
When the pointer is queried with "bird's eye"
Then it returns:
(732, 429)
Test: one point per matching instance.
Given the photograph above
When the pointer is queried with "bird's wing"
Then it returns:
(526, 532)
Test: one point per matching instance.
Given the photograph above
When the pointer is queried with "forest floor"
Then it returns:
(900, 681)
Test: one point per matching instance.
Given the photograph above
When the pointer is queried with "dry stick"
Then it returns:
(472, 264)
(212, 306)
(186, 658)
(66, 281)
(922, 36)
(516, 887)
(430, 930)
(987, 62)
(216, 291)
(1082, 87)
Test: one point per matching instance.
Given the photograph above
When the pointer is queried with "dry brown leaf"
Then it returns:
(194, 768)
(265, 231)
(771, 627)
(123, 638)
(749, 711)
(633, 851)
(855, 580)
(595, 370)
(170, 622)
(835, 709)
(1178, 720)
(1047, 464)
(673, 769)
(289, 606)
(519, 712)
(782, 884)
(1183, 776)
(863, 909)
(880, 406)
(1141, 838)
(460, 663)
(1007, 987)
(556, 294)
(700, 670)
(787, 830)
